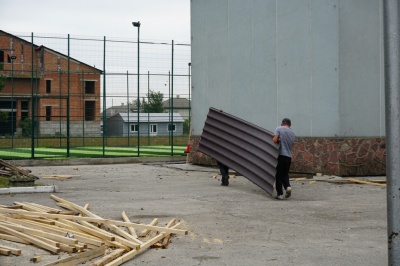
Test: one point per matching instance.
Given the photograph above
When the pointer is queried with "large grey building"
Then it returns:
(319, 62)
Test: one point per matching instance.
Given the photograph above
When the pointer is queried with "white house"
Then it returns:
(155, 124)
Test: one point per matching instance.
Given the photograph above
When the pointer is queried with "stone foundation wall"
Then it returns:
(330, 156)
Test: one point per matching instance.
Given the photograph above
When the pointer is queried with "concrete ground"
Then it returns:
(321, 224)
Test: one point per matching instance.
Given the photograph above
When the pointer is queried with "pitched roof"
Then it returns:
(177, 102)
(113, 110)
(39, 47)
(151, 117)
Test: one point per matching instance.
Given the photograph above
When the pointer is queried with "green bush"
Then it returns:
(26, 125)
(186, 127)
(3, 116)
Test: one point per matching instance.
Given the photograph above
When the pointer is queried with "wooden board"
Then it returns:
(81, 233)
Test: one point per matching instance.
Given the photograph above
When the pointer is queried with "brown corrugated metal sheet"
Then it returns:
(244, 147)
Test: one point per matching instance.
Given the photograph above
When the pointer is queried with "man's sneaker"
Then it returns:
(288, 192)
(279, 197)
(225, 181)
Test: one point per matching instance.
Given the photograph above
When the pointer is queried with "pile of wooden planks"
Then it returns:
(9, 170)
(81, 233)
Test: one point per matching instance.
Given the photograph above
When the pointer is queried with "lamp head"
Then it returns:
(136, 24)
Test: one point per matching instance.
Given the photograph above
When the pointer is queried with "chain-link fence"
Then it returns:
(74, 96)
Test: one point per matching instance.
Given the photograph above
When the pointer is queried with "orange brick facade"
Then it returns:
(50, 81)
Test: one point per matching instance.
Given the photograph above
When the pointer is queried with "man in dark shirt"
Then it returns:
(285, 136)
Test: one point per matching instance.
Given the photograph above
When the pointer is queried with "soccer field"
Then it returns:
(92, 152)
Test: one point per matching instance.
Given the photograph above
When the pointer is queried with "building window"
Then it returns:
(48, 113)
(153, 128)
(24, 109)
(89, 87)
(90, 110)
(134, 128)
(5, 104)
(171, 127)
(1, 57)
(48, 86)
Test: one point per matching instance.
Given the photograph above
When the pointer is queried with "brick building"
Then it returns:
(54, 87)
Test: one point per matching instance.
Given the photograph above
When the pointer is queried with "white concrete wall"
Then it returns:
(318, 62)
(361, 68)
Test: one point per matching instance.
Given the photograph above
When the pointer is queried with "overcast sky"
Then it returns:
(160, 19)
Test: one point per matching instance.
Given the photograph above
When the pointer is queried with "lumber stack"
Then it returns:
(82, 234)
(10, 171)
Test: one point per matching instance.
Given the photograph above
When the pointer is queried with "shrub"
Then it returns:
(3, 116)
(26, 126)
(186, 127)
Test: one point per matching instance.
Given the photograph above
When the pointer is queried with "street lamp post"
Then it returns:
(189, 65)
(137, 25)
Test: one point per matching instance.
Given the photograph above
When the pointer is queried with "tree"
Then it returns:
(133, 106)
(26, 125)
(154, 104)
(3, 116)
(186, 127)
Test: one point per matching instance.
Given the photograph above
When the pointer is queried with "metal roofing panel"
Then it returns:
(244, 147)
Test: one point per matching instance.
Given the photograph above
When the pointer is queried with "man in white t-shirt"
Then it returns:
(285, 136)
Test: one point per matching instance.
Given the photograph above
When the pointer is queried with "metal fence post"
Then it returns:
(189, 65)
(392, 111)
(83, 107)
(127, 103)
(68, 99)
(32, 104)
(104, 95)
(148, 105)
(12, 100)
(172, 100)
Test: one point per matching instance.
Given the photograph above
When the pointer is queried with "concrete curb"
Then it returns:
(95, 161)
(38, 189)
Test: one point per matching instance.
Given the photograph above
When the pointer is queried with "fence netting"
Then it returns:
(79, 96)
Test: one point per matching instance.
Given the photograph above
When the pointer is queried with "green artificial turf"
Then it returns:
(91, 152)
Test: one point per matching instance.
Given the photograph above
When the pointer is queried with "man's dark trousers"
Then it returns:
(282, 173)
(225, 174)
